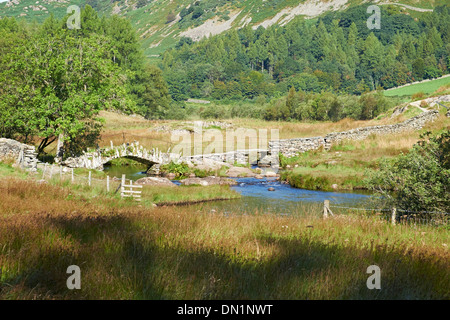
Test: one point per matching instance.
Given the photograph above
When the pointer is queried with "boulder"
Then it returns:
(155, 181)
(208, 181)
(236, 172)
(268, 161)
(271, 174)
(170, 175)
(210, 165)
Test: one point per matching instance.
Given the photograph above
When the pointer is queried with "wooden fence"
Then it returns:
(129, 190)
(395, 215)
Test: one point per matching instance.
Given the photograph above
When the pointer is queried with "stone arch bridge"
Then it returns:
(98, 158)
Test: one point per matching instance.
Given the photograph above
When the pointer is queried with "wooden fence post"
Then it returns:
(394, 216)
(60, 173)
(122, 189)
(72, 176)
(21, 158)
(326, 208)
(326, 205)
(107, 183)
(45, 169)
(90, 177)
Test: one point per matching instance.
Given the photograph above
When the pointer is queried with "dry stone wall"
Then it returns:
(290, 147)
(24, 155)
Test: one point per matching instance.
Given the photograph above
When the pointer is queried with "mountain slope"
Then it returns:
(160, 23)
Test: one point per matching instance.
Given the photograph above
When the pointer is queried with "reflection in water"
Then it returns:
(131, 172)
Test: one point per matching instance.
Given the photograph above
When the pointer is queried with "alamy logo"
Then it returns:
(74, 20)
(374, 281)
(214, 141)
(374, 21)
(74, 281)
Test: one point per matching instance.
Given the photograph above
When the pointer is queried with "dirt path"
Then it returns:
(430, 101)
(408, 7)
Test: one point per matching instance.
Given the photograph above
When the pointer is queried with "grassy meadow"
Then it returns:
(348, 164)
(426, 87)
(133, 252)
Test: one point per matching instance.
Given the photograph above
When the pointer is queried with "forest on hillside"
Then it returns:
(337, 53)
(55, 80)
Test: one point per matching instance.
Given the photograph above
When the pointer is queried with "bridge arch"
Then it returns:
(146, 162)
(98, 158)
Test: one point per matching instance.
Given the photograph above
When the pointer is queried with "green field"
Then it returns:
(425, 87)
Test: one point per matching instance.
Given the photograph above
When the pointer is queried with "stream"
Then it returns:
(256, 197)
(284, 200)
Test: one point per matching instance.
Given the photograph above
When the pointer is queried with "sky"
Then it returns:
(3, 0)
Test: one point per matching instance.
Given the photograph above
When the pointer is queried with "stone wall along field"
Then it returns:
(24, 155)
(290, 147)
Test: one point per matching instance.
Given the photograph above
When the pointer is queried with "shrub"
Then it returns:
(424, 104)
(419, 179)
(203, 173)
(170, 17)
(179, 169)
(418, 96)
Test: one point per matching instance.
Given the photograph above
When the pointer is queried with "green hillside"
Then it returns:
(161, 22)
(426, 87)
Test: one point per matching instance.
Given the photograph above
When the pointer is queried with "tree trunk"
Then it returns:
(44, 144)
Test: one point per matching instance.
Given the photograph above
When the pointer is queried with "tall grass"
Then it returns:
(347, 163)
(131, 252)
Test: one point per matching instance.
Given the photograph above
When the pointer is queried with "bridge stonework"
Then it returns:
(97, 159)
(251, 156)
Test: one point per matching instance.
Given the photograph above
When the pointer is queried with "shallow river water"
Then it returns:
(257, 198)
(283, 200)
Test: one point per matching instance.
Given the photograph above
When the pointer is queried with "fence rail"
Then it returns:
(396, 216)
(131, 193)
(129, 190)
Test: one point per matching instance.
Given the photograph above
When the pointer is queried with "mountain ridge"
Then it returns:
(160, 23)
